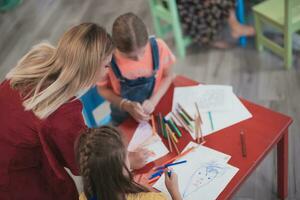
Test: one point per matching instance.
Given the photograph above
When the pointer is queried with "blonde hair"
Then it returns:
(49, 77)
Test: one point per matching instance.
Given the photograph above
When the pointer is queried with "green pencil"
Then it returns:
(162, 125)
(211, 121)
(174, 127)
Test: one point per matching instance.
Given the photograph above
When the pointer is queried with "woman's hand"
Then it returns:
(148, 106)
(172, 185)
(138, 158)
(136, 110)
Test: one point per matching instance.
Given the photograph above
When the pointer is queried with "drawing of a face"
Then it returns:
(205, 174)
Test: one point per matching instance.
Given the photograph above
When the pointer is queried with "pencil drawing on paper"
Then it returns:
(204, 175)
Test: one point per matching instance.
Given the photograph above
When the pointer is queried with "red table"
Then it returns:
(263, 131)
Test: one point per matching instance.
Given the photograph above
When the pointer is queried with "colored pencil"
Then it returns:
(153, 125)
(182, 115)
(179, 156)
(185, 112)
(211, 121)
(198, 111)
(169, 140)
(189, 126)
(174, 116)
(243, 144)
(156, 174)
(162, 125)
(158, 125)
(174, 127)
(171, 133)
(175, 146)
(197, 123)
(153, 180)
(170, 164)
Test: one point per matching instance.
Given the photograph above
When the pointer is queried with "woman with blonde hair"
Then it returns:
(40, 116)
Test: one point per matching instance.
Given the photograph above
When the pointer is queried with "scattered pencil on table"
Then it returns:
(198, 111)
(185, 112)
(243, 144)
(211, 120)
(198, 122)
(162, 125)
(153, 180)
(181, 122)
(173, 127)
(171, 133)
(156, 174)
(175, 146)
(158, 125)
(170, 164)
(169, 140)
(153, 125)
(179, 156)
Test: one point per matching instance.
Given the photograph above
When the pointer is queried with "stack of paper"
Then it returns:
(144, 138)
(219, 106)
(204, 176)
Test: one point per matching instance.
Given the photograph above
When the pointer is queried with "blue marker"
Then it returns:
(211, 121)
(156, 174)
(170, 164)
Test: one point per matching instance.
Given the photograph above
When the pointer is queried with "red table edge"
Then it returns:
(284, 132)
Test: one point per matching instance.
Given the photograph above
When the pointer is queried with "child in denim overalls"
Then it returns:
(140, 71)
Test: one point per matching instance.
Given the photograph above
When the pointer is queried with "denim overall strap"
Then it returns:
(155, 53)
(116, 69)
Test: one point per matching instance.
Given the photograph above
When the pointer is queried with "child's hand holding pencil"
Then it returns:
(136, 110)
(171, 181)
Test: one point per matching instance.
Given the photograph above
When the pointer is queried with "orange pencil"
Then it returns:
(171, 133)
(153, 125)
(153, 180)
(175, 146)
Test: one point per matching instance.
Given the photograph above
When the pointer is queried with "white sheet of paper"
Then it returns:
(143, 133)
(208, 98)
(220, 119)
(204, 177)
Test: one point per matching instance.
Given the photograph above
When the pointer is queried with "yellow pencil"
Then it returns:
(153, 125)
(171, 133)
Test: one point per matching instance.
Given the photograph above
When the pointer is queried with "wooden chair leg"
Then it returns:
(156, 20)
(288, 47)
(180, 45)
(259, 32)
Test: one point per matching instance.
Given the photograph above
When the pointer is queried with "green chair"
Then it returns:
(283, 15)
(165, 11)
(166, 19)
(6, 5)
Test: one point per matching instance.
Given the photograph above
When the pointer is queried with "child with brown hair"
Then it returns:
(140, 72)
(104, 166)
